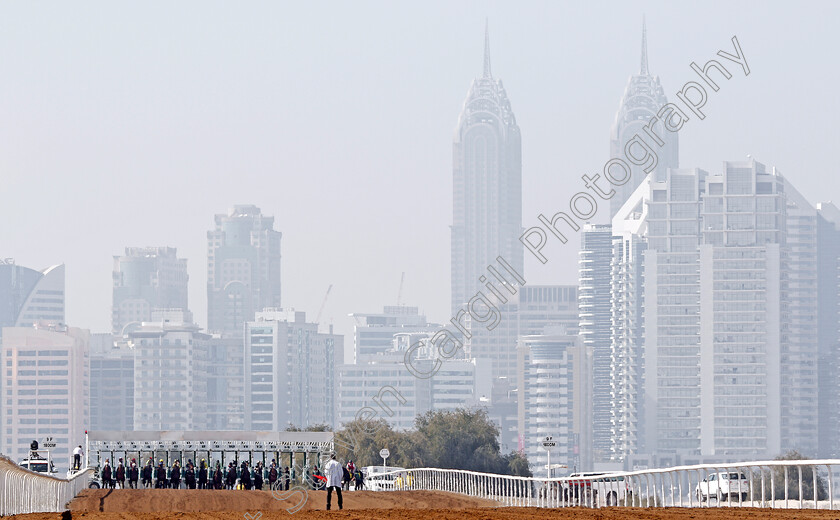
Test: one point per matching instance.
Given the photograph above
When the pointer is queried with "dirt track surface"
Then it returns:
(366, 505)
(182, 500)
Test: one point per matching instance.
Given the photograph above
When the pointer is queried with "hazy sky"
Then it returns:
(132, 124)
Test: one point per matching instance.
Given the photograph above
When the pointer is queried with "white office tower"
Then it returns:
(169, 391)
(147, 279)
(45, 390)
(373, 334)
(382, 388)
(487, 186)
(243, 268)
(642, 99)
(290, 372)
(714, 343)
(595, 325)
(555, 400)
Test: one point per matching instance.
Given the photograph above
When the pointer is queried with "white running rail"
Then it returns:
(774, 484)
(23, 491)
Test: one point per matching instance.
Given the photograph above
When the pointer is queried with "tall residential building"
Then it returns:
(373, 334)
(555, 400)
(147, 279)
(487, 186)
(28, 296)
(169, 388)
(532, 310)
(45, 389)
(111, 384)
(289, 371)
(642, 99)
(243, 269)
(828, 330)
(800, 337)
(382, 383)
(595, 325)
(722, 362)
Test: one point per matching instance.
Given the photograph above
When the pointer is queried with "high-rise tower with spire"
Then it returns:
(487, 185)
(642, 99)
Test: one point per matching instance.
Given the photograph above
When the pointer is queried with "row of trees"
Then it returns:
(460, 439)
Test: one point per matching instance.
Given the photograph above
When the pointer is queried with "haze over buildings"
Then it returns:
(487, 186)
(704, 320)
(147, 279)
(243, 268)
(30, 296)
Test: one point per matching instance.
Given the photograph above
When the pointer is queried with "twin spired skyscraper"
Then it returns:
(487, 186)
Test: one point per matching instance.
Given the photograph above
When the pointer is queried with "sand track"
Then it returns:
(183, 500)
(410, 505)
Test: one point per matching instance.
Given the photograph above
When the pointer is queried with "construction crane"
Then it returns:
(399, 293)
(323, 304)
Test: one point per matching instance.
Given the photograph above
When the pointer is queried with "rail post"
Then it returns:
(799, 468)
(786, 487)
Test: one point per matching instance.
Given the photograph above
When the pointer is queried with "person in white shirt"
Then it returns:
(333, 472)
(77, 458)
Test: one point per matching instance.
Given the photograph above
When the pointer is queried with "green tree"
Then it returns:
(361, 440)
(518, 464)
(459, 439)
(462, 439)
(778, 477)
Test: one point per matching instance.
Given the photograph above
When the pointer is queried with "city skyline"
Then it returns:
(558, 142)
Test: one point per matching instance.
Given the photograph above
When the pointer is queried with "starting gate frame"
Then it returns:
(102, 445)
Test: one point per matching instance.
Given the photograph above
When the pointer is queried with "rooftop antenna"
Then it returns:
(487, 73)
(644, 71)
(323, 303)
(399, 293)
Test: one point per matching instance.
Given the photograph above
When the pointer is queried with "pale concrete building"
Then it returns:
(147, 279)
(373, 334)
(290, 371)
(243, 268)
(714, 318)
(169, 387)
(28, 296)
(111, 384)
(556, 400)
(222, 370)
(45, 389)
(383, 384)
(595, 326)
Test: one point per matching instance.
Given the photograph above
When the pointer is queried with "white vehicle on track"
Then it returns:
(724, 486)
(35, 462)
(600, 488)
(377, 480)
